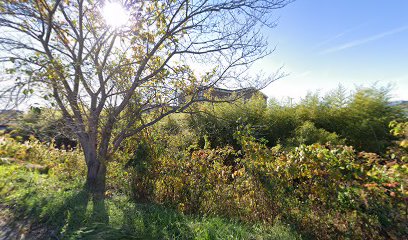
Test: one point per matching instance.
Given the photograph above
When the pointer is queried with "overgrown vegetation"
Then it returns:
(57, 202)
(331, 167)
(359, 119)
(325, 191)
(46, 125)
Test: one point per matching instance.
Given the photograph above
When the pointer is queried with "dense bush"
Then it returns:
(253, 162)
(364, 120)
(218, 122)
(46, 125)
(334, 191)
(52, 205)
(200, 181)
(66, 164)
(360, 119)
(325, 191)
(308, 134)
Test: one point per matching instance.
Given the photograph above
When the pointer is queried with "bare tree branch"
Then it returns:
(112, 82)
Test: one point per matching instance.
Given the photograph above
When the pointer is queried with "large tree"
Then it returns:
(110, 82)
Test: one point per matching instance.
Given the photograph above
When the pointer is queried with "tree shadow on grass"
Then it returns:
(76, 215)
(152, 221)
(51, 216)
(78, 211)
(82, 217)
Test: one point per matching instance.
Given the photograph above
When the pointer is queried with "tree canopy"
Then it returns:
(111, 82)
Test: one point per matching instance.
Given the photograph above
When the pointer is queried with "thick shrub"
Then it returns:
(359, 119)
(46, 125)
(308, 134)
(200, 181)
(66, 164)
(333, 191)
(218, 122)
(325, 191)
(281, 121)
(365, 120)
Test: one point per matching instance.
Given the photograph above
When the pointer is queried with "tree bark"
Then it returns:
(96, 177)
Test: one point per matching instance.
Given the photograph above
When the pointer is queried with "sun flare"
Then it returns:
(115, 14)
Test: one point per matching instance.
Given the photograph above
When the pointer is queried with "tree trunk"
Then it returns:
(96, 178)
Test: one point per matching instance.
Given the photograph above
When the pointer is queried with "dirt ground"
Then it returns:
(13, 228)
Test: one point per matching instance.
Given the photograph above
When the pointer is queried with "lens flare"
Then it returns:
(115, 14)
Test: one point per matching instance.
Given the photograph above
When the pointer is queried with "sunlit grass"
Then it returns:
(68, 210)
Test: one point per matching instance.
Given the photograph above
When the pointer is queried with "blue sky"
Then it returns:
(324, 43)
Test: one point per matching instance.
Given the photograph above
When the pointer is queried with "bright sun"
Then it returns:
(115, 14)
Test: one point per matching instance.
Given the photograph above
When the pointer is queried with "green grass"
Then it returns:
(70, 213)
